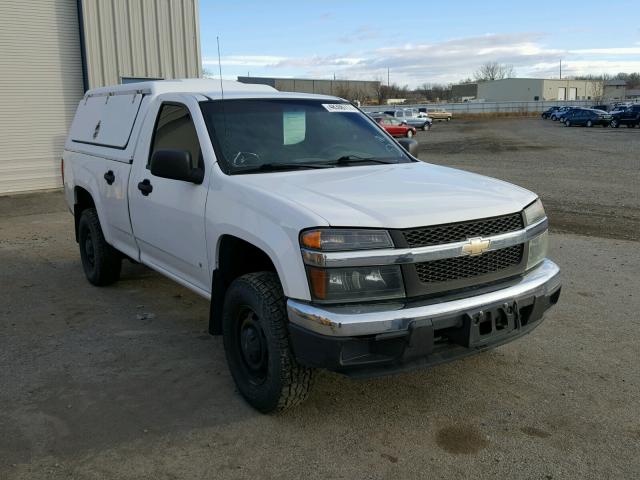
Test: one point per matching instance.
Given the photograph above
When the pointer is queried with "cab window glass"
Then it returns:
(175, 131)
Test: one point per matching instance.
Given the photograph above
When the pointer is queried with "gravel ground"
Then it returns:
(588, 178)
(124, 381)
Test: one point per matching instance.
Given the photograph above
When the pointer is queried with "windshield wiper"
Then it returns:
(273, 167)
(345, 159)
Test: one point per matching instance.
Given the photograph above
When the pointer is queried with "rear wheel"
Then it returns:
(256, 343)
(630, 125)
(100, 261)
(615, 123)
(589, 123)
(567, 123)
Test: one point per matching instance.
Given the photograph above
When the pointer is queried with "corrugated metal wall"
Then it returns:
(141, 39)
(40, 86)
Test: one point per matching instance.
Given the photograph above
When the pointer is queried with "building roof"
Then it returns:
(337, 80)
(614, 83)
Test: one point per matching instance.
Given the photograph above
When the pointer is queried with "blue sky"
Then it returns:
(418, 41)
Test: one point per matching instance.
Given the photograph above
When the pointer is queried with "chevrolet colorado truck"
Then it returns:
(320, 241)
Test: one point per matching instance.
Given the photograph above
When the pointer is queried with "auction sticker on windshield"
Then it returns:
(339, 107)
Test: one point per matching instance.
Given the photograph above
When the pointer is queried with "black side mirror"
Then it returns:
(409, 145)
(175, 165)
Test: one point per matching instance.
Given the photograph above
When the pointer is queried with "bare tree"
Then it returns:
(493, 71)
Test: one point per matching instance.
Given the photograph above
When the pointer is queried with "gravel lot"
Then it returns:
(588, 178)
(124, 381)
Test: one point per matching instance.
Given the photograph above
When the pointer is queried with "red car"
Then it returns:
(395, 127)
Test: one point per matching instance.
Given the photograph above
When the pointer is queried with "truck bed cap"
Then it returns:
(190, 85)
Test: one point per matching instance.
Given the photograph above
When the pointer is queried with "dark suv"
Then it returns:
(587, 118)
(547, 113)
(629, 117)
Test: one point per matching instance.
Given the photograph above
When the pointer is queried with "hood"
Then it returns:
(394, 196)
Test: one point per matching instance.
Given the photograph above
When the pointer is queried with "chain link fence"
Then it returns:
(474, 108)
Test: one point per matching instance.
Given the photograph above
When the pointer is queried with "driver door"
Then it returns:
(167, 215)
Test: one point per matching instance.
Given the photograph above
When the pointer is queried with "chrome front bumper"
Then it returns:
(375, 319)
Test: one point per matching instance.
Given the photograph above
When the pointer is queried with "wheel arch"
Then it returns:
(235, 257)
(82, 200)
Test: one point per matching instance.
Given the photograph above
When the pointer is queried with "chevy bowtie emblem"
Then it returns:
(476, 246)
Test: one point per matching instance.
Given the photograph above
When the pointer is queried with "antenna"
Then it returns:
(220, 67)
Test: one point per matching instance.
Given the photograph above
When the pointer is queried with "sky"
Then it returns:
(418, 42)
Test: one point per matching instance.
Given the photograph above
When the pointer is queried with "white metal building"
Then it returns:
(539, 89)
(51, 51)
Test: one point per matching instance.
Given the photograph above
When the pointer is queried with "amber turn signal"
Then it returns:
(311, 239)
(318, 282)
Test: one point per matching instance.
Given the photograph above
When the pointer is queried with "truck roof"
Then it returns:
(198, 86)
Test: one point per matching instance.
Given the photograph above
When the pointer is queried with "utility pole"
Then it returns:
(388, 77)
(560, 69)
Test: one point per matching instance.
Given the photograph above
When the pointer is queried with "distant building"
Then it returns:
(362, 90)
(538, 89)
(615, 90)
(464, 91)
(632, 94)
(52, 51)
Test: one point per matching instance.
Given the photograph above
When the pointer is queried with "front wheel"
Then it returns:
(589, 123)
(615, 124)
(567, 123)
(256, 343)
(409, 133)
(100, 261)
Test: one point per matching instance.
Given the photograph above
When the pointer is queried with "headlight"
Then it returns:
(537, 249)
(355, 284)
(327, 239)
(534, 212)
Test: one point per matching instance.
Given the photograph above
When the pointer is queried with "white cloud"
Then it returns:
(446, 61)
(245, 60)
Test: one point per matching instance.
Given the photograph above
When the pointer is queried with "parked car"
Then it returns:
(319, 240)
(604, 108)
(561, 114)
(548, 112)
(410, 116)
(395, 127)
(587, 117)
(435, 113)
(629, 117)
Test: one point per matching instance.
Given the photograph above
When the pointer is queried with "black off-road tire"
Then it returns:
(279, 382)
(100, 261)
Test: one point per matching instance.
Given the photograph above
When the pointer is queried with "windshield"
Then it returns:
(293, 133)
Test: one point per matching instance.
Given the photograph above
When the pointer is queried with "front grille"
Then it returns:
(467, 267)
(458, 232)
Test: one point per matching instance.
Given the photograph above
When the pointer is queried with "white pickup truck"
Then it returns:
(320, 241)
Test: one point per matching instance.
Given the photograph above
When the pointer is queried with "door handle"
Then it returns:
(145, 187)
(109, 177)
